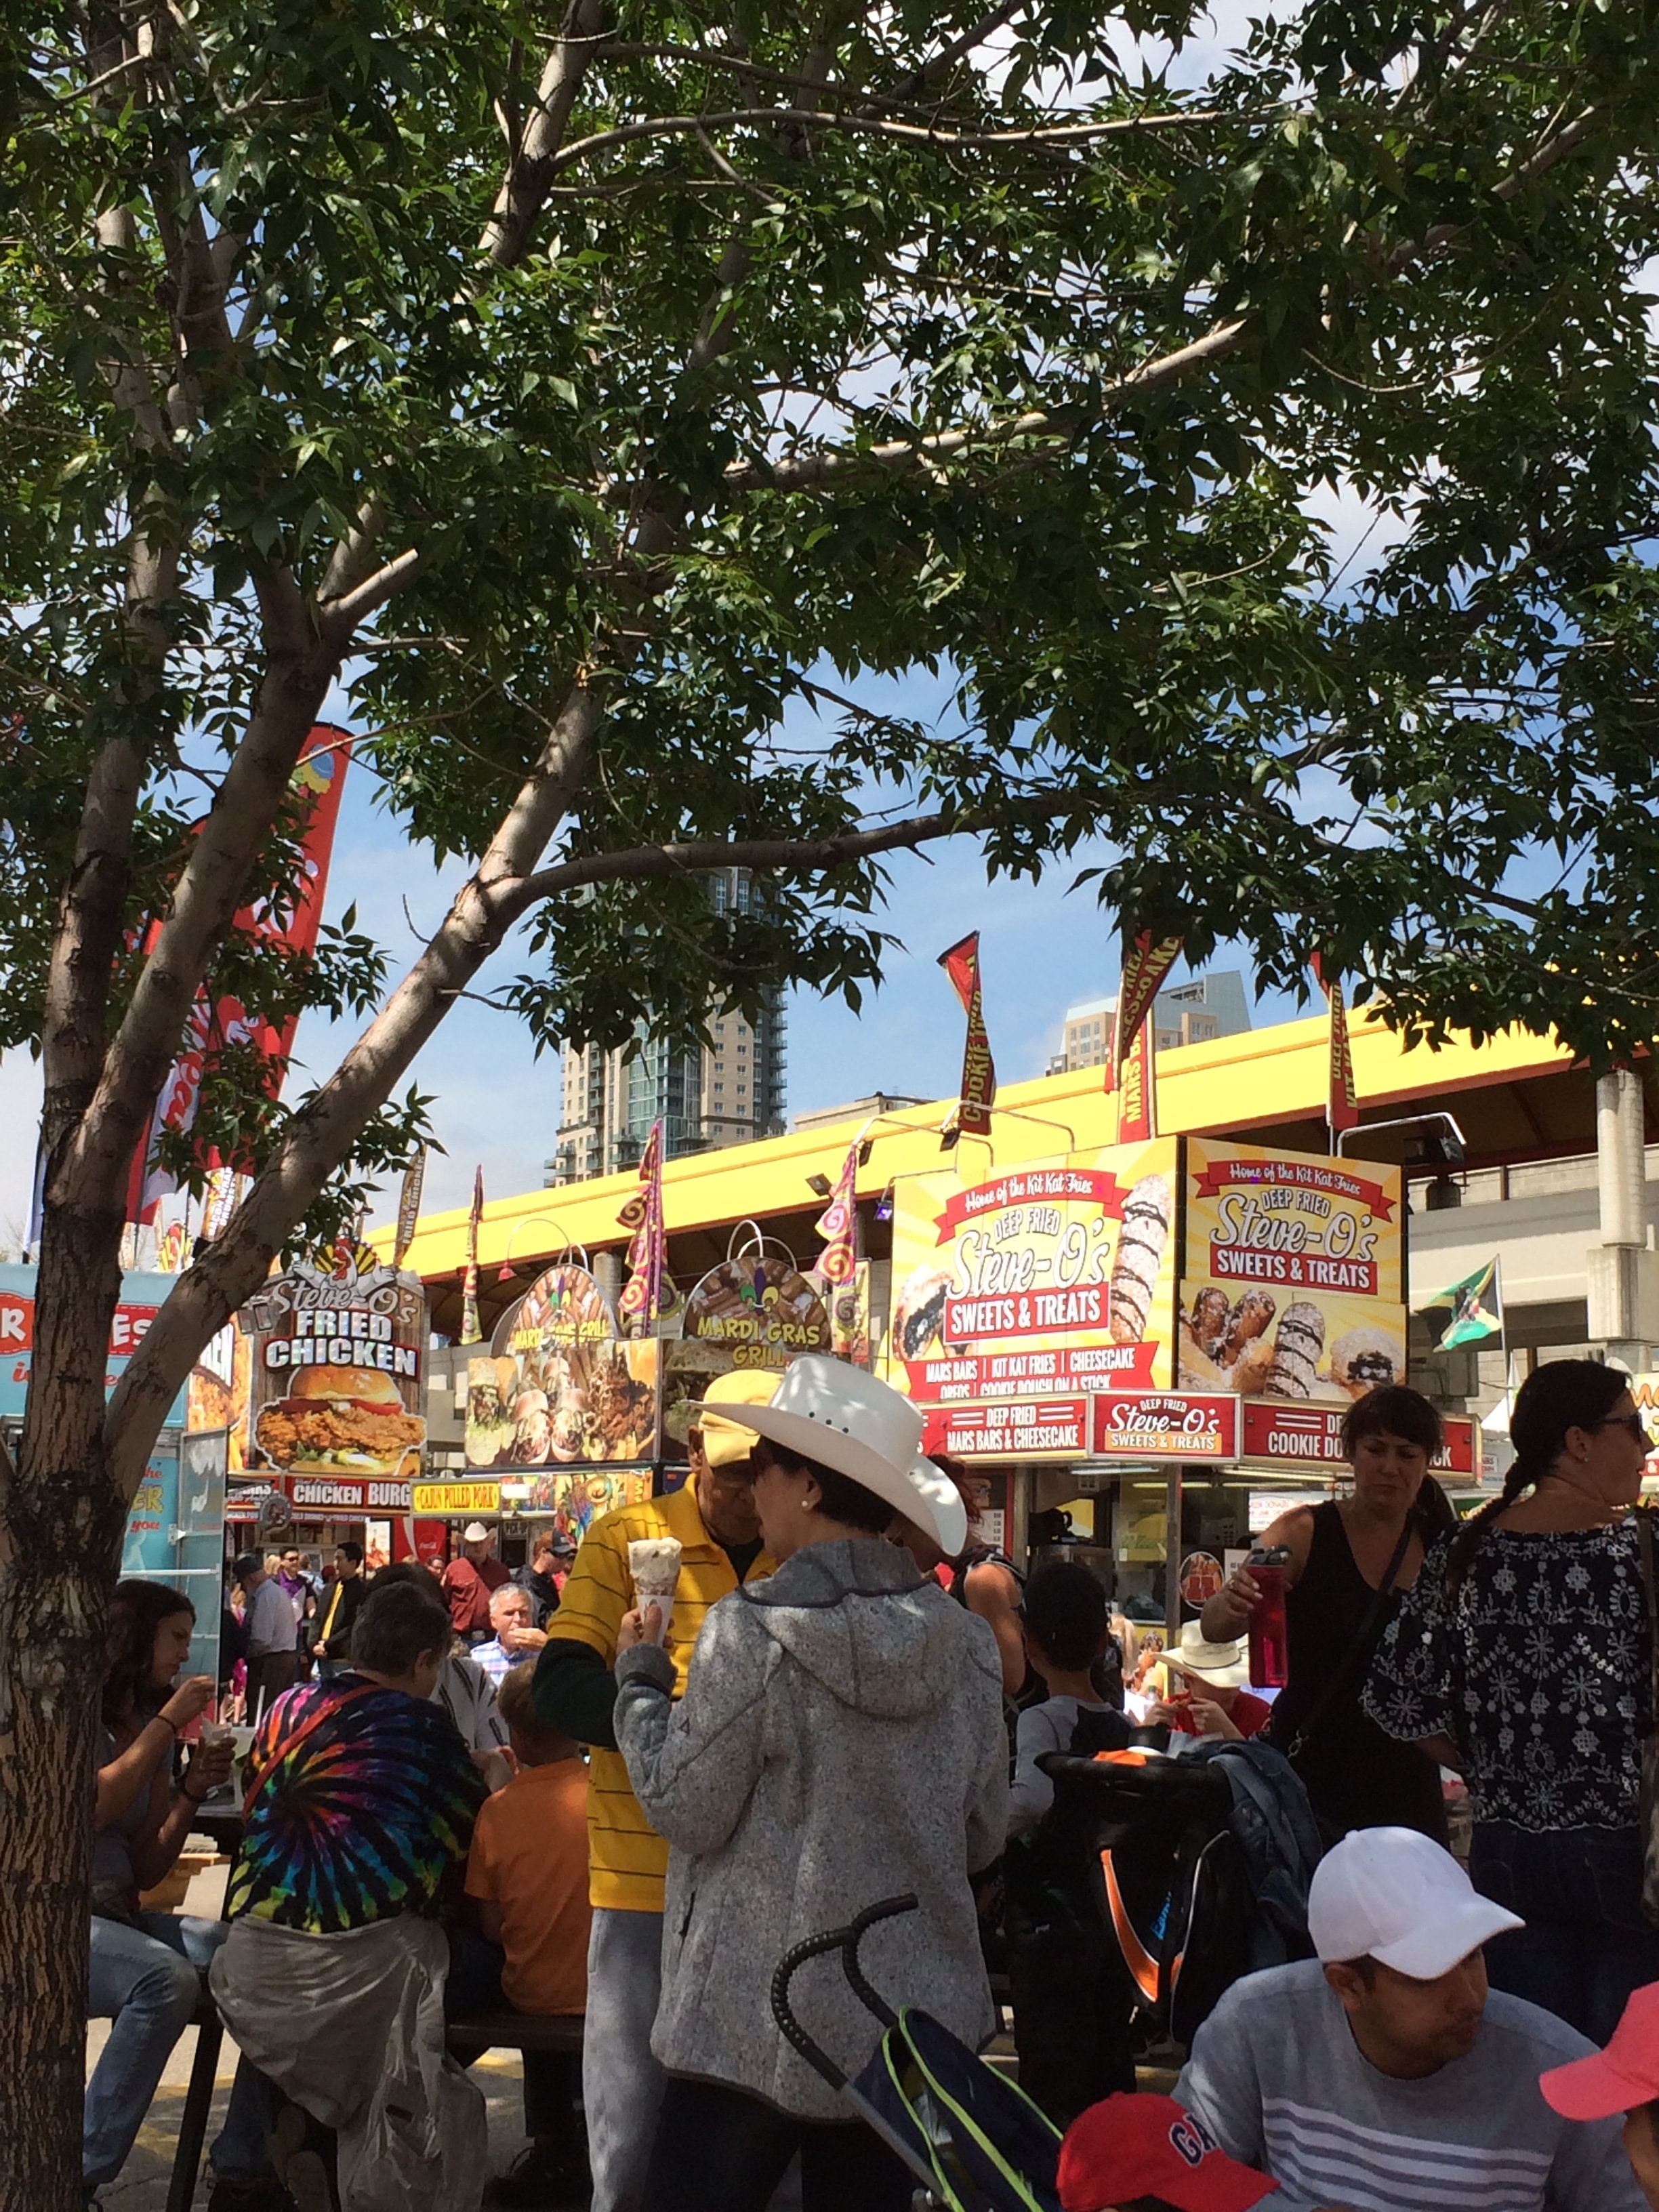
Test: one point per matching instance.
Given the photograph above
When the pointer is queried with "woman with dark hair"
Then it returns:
(1522, 1656)
(1349, 1560)
(146, 1967)
(840, 1741)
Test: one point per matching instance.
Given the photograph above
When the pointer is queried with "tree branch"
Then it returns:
(646, 862)
(322, 1133)
(523, 189)
(340, 616)
(871, 126)
(809, 472)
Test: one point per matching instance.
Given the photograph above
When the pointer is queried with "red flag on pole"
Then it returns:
(835, 1224)
(1342, 1111)
(979, 1074)
(640, 1301)
(1146, 961)
(1137, 1089)
(469, 1329)
(319, 778)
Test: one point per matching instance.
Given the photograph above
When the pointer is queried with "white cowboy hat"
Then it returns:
(844, 1419)
(1224, 1664)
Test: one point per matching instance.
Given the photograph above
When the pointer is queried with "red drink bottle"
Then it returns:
(1270, 1666)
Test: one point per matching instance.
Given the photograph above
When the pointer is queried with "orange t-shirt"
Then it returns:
(530, 1856)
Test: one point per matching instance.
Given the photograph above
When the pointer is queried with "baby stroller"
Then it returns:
(974, 2141)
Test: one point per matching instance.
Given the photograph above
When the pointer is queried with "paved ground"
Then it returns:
(143, 2183)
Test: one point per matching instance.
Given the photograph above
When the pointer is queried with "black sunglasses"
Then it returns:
(1634, 1423)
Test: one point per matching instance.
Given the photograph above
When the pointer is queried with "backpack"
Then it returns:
(1199, 1863)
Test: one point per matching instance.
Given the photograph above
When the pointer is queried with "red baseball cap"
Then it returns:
(1618, 2079)
(1141, 2145)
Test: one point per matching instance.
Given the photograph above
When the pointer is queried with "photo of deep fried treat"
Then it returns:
(1297, 1348)
(1209, 1321)
(919, 1316)
(1247, 1320)
(1195, 1369)
(1146, 1216)
(1366, 1358)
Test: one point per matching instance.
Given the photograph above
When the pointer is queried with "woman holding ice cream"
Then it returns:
(840, 1741)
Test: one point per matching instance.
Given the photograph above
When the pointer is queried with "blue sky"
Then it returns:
(1041, 950)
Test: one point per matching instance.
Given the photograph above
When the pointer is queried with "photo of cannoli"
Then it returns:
(1147, 1212)
(1208, 1325)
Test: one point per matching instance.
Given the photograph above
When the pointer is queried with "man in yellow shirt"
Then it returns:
(713, 1519)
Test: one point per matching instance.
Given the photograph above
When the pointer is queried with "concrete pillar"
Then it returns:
(1622, 1273)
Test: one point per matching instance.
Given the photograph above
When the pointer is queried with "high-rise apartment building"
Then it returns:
(730, 1093)
(1210, 1006)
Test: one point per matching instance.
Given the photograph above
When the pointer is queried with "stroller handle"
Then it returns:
(846, 1941)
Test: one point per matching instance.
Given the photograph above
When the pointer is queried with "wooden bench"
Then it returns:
(471, 2034)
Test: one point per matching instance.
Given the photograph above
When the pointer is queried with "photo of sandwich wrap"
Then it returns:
(340, 1420)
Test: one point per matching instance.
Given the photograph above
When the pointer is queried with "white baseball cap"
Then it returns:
(1392, 1895)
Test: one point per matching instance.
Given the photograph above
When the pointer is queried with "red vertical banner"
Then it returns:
(834, 1225)
(1137, 1089)
(1146, 962)
(470, 1330)
(318, 783)
(409, 1205)
(1342, 1111)
(979, 1074)
(641, 1303)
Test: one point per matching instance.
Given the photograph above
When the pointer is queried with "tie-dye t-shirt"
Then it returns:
(370, 1800)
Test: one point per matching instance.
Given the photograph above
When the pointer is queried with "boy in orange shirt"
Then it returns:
(527, 1879)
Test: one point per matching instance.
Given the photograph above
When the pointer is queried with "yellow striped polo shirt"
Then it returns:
(626, 1859)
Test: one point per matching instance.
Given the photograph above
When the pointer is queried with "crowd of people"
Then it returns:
(482, 1794)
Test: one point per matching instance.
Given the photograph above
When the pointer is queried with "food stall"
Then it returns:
(319, 1383)
(1140, 1344)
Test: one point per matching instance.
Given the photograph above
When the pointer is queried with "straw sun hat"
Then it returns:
(1223, 1666)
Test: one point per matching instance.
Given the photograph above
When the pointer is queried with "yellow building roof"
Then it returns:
(1272, 1081)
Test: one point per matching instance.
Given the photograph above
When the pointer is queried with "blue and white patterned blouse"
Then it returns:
(1537, 1666)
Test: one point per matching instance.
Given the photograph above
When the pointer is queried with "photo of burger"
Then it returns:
(343, 1419)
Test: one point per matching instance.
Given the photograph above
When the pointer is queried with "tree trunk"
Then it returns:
(61, 1521)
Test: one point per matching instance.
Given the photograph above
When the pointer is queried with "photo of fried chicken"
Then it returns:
(368, 1430)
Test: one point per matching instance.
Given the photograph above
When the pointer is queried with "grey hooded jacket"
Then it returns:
(841, 1741)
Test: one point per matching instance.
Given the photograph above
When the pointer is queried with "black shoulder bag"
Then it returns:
(1361, 1639)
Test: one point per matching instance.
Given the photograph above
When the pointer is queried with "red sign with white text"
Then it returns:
(1312, 1436)
(1028, 1430)
(1165, 1425)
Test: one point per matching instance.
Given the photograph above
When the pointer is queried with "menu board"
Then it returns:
(334, 1371)
(1291, 1288)
(560, 1386)
(1053, 1280)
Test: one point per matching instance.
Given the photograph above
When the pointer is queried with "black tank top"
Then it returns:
(1355, 1775)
